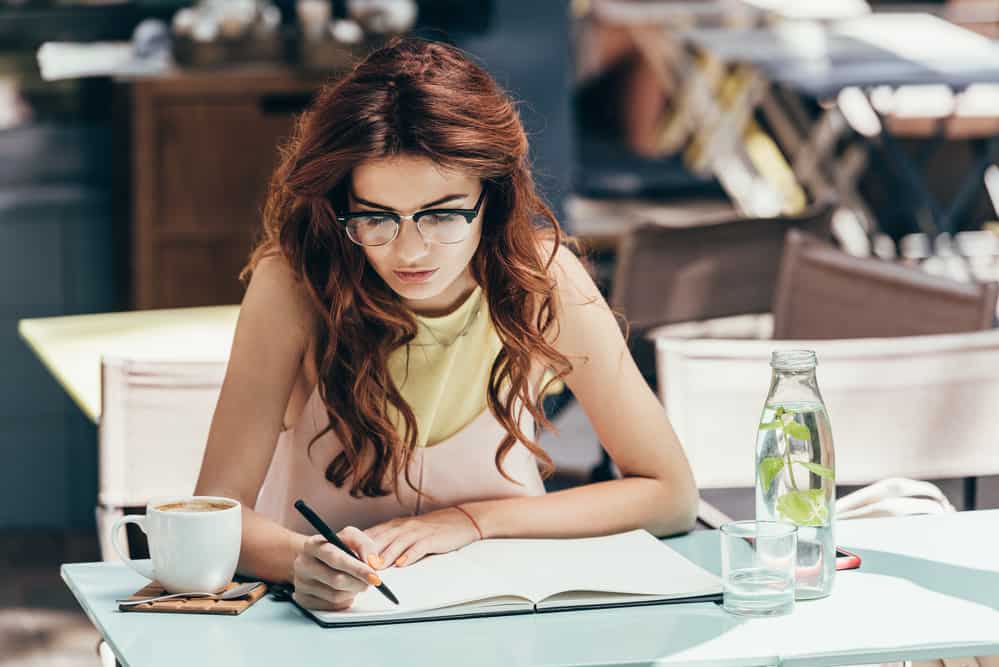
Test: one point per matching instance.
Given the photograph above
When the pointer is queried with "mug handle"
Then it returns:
(146, 570)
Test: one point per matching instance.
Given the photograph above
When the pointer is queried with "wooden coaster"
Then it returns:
(193, 605)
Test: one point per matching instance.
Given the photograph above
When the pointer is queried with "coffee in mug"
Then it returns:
(194, 542)
(194, 506)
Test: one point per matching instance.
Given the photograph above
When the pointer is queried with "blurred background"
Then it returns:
(679, 140)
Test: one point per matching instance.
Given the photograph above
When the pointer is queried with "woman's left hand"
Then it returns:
(405, 540)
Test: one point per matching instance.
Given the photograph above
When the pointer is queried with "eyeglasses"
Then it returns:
(436, 225)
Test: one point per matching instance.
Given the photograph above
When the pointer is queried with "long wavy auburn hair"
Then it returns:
(413, 98)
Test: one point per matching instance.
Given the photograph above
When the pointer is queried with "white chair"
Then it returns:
(919, 407)
(152, 433)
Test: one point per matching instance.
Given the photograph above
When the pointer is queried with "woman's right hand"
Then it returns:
(327, 579)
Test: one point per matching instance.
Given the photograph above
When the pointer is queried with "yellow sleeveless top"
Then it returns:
(444, 377)
(445, 384)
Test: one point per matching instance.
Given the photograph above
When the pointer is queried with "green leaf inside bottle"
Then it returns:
(797, 431)
(806, 507)
(819, 470)
(770, 467)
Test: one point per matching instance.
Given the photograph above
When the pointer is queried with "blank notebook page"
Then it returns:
(632, 562)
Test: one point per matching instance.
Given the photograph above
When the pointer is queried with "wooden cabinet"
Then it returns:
(203, 146)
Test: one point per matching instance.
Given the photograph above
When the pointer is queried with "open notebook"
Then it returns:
(518, 576)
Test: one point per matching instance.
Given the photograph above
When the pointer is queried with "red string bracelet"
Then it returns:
(463, 511)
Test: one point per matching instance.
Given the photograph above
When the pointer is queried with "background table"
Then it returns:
(72, 347)
(853, 56)
(928, 588)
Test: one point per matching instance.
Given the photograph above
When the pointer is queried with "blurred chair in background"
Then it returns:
(667, 275)
(670, 275)
(920, 407)
(824, 293)
(908, 381)
(152, 434)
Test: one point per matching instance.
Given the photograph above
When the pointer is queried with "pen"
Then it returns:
(325, 531)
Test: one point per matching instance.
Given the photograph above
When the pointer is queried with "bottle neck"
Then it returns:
(794, 387)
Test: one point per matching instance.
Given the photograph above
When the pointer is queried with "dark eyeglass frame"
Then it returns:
(468, 213)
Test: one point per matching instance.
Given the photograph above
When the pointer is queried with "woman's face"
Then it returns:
(431, 278)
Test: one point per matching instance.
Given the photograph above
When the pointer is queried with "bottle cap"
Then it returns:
(793, 360)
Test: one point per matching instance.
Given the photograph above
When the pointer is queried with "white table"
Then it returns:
(928, 588)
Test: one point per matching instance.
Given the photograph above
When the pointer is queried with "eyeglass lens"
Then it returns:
(379, 229)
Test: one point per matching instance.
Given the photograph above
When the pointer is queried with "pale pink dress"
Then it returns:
(458, 469)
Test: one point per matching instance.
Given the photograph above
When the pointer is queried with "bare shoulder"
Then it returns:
(585, 326)
(276, 294)
(574, 284)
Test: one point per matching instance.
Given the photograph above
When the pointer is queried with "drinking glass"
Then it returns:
(758, 567)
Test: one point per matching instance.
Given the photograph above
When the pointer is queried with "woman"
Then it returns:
(408, 304)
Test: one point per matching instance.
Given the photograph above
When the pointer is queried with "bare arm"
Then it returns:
(267, 354)
(657, 491)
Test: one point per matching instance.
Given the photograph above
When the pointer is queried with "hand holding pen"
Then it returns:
(329, 574)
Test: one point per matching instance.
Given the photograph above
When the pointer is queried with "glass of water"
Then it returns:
(758, 567)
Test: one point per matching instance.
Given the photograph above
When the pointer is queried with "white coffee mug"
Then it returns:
(190, 550)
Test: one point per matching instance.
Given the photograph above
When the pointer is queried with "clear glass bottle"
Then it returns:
(795, 468)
